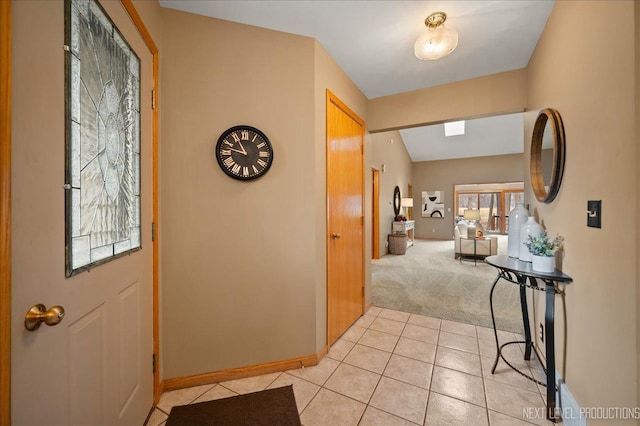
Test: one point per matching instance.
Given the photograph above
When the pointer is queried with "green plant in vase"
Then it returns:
(543, 251)
(542, 245)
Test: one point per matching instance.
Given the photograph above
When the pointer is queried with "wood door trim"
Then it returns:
(333, 99)
(375, 213)
(244, 372)
(337, 102)
(153, 48)
(141, 27)
(410, 195)
(5, 212)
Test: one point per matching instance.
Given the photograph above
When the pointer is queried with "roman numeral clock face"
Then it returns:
(244, 153)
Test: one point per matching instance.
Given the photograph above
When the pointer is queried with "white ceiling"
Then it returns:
(483, 136)
(372, 41)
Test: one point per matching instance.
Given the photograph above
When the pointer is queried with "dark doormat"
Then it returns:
(264, 408)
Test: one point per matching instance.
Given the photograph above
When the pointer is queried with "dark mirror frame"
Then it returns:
(397, 200)
(537, 180)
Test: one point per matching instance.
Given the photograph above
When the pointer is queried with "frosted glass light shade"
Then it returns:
(436, 43)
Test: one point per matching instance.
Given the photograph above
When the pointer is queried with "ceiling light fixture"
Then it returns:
(438, 41)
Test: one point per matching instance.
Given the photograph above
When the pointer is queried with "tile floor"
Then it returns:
(396, 368)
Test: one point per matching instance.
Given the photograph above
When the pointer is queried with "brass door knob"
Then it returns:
(39, 314)
(335, 236)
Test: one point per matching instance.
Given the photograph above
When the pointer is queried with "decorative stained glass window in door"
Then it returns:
(103, 139)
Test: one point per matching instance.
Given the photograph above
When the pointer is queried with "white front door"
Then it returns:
(95, 367)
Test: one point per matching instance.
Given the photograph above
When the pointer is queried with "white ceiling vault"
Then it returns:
(372, 41)
(497, 135)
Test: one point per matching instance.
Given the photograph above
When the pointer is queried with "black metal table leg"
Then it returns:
(522, 280)
(475, 252)
(493, 319)
(550, 352)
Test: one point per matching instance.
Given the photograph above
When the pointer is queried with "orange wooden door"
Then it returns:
(345, 222)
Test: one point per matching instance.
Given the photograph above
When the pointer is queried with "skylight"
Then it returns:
(454, 128)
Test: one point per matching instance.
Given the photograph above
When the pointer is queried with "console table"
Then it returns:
(404, 227)
(521, 273)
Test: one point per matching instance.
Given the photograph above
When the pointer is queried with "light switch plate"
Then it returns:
(594, 211)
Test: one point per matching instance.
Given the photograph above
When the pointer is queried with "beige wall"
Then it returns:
(595, 95)
(442, 175)
(238, 258)
(387, 148)
(483, 96)
(243, 263)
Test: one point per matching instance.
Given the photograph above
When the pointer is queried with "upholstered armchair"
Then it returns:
(463, 245)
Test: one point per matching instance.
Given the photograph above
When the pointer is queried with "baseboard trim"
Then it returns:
(368, 306)
(321, 354)
(569, 409)
(243, 372)
(158, 392)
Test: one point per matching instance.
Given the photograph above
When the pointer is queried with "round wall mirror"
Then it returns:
(397, 199)
(547, 155)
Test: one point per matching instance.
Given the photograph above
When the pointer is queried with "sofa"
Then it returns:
(463, 245)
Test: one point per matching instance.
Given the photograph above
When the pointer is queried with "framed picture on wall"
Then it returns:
(433, 204)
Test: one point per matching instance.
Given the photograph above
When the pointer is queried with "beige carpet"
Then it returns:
(427, 280)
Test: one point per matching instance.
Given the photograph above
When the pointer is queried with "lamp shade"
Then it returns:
(436, 43)
(472, 214)
(406, 202)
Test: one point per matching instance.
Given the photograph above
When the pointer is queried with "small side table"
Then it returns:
(404, 227)
(475, 249)
(519, 273)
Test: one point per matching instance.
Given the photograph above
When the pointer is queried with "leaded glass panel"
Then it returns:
(103, 139)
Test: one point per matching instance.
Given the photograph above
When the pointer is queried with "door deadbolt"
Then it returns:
(39, 314)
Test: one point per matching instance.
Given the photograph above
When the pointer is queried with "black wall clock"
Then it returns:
(244, 152)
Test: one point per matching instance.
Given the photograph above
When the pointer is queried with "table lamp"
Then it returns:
(472, 216)
(406, 203)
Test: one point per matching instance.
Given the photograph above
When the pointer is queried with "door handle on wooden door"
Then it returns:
(39, 314)
(335, 236)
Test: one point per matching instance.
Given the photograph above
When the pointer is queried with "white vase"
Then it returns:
(530, 228)
(517, 218)
(543, 263)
